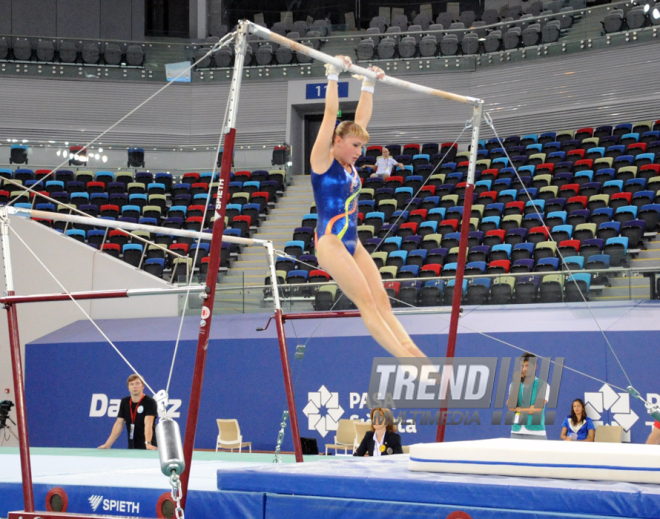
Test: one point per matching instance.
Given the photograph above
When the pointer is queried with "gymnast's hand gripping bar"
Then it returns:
(264, 33)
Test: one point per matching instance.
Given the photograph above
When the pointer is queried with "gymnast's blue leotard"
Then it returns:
(336, 194)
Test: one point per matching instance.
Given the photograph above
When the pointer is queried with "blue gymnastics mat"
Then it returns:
(350, 488)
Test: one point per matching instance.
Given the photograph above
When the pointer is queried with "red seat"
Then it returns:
(496, 232)
(637, 146)
(571, 154)
(393, 285)
(410, 225)
(563, 190)
(319, 274)
(616, 196)
(435, 269)
(489, 172)
(200, 185)
(518, 205)
(190, 178)
(181, 248)
(430, 189)
(505, 264)
(464, 164)
(262, 194)
(451, 223)
(491, 195)
(584, 162)
(243, 218)
(539, 230)
(412, 147)
(569, 244)
(96, 184)
(375, 148)
(584, 133)
(580, 200)
(390, 181)
(651, 167)
(419, 212)
(242, 176)
(541, 168)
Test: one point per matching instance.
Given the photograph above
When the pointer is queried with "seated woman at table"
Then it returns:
(578, 426)
(382, 440)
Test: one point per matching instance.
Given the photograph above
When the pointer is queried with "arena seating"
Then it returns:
(72, 51)
(592, 212)
(155, 199)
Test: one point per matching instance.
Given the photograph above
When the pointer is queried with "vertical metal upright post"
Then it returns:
(462, 250)
(17, 366)
(284, 356)
(214, 260)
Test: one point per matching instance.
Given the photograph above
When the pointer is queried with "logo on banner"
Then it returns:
(95, 501)
(618, 404)
(113, 505)
(318, 419)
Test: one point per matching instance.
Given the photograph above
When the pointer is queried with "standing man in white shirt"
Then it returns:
(525, 404)
(384, 165)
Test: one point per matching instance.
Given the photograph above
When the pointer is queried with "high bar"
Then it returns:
(99, 222)
(355, 69)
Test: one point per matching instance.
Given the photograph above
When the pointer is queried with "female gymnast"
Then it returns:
(336, 187)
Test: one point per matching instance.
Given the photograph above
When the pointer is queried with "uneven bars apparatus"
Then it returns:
(214, 263)
(477, 105)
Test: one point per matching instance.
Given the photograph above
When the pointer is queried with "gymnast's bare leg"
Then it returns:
(343, 257)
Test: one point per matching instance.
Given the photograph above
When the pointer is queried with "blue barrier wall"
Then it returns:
(73, 375)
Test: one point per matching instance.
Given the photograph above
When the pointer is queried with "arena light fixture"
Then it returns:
(655, 14)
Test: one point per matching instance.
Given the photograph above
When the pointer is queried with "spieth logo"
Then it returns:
(606, 399)
(317, 421)
(95, 501)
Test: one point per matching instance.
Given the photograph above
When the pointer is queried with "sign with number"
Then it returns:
(317, 90)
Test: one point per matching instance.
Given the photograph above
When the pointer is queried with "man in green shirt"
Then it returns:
(526, 403)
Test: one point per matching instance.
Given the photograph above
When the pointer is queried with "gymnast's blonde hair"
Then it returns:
(348, 129)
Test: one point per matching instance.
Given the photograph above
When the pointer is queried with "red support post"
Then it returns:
(458, 292)
(21, 413)
(288, 386)
(207, 312)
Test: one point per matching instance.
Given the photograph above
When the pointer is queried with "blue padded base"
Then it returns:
(386, 483)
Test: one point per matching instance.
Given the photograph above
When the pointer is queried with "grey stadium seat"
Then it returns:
(636, 18)
(550, 33)
(264, 55)
(565, 20)
(512, 38)
(68, 51)
(112, 54)
(91, 53)
(224, 56)
(613, 22)
(553, 5)
(365, 49)
(525, 21)
(490, 16)
(428, 46)
(459, 34)
(374, 34)
(135, 55)
(424, 20)
(200, 60)
(535, 8)
(470, 43)
(303, 58)
(436, 27)
(493, 41)
(400, 21)
(468, 18)
(321, 26)
(532, 35)
(283, 55)
(300, 27)
(445, 19)
(22, 49)
(45, 50)
(4, 48)
(279, 28)
(477, 27)
(314, 39)
(449, 45)
(407, 47)
(578, 4)
(386, 48)
(416, 28)
(380, 22)
(394, 32)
